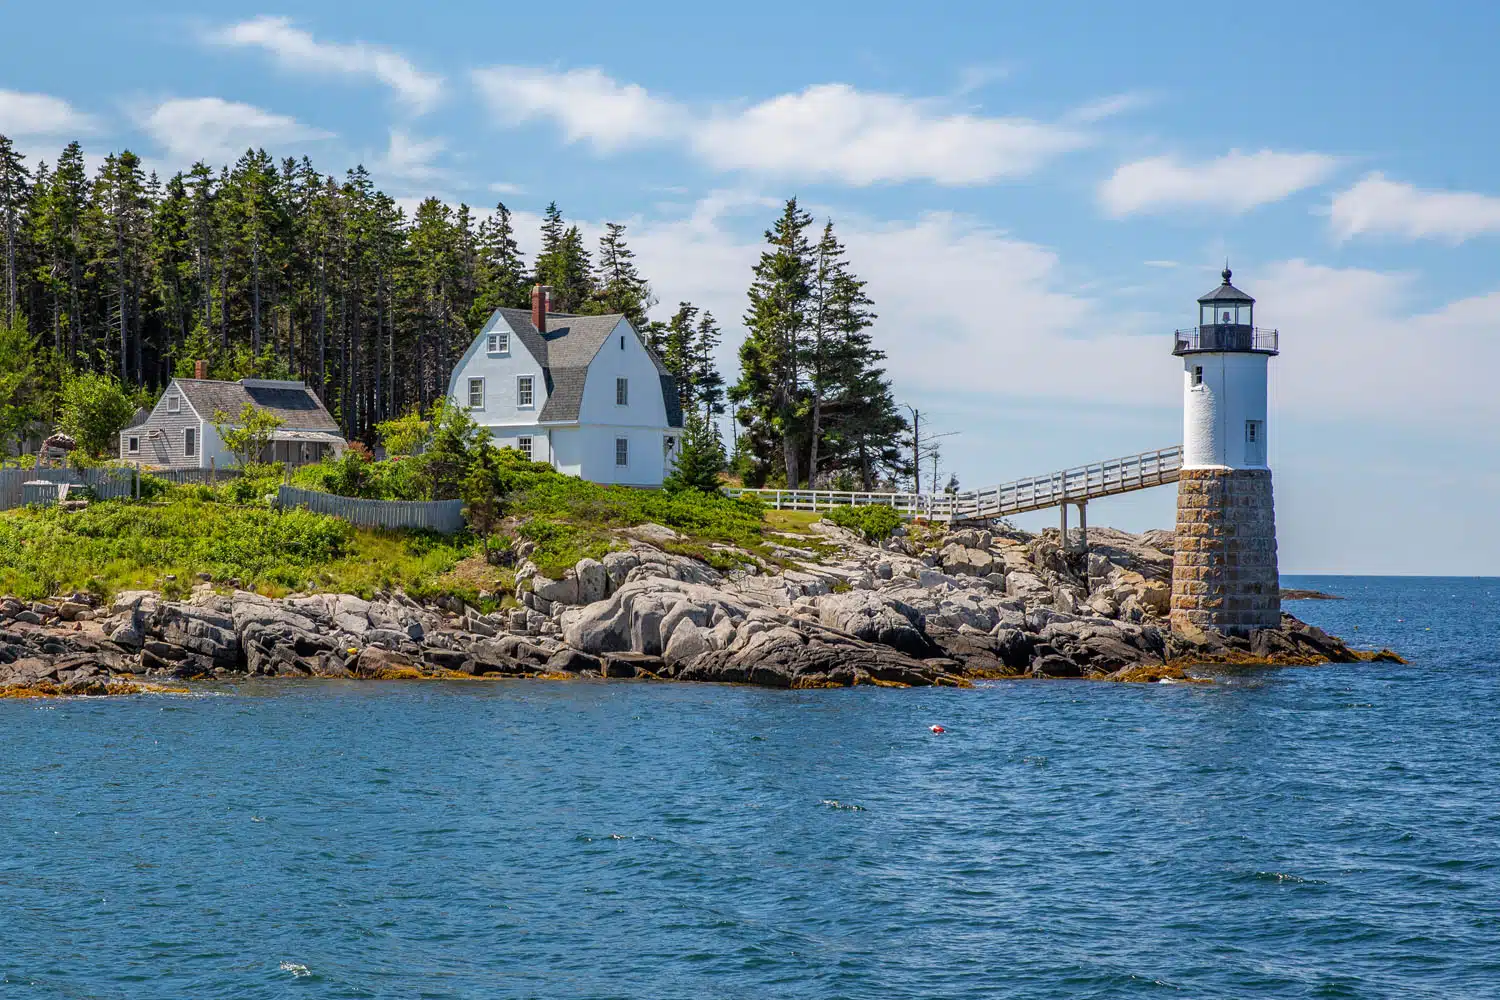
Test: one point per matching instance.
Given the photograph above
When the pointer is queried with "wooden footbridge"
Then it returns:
(1075, 486)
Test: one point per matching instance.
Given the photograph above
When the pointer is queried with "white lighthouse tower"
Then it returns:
(1224, 574)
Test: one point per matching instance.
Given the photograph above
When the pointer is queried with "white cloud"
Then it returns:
(588, 105)
(299, 50)
(219, 131)
(834, 132)
(1377, 205)
(827, 131)
(1235, 182)
(409, 158)
(23, 114)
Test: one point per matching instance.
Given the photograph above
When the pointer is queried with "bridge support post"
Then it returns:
(1083, 525)
(1063, 508)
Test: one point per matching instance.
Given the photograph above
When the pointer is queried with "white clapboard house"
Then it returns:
(583, 393)
(179, 432)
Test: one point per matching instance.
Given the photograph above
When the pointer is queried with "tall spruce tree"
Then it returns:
(770, 393)
(618, 286)
(15, 193)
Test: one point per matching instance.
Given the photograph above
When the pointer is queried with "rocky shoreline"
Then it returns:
(923, 608)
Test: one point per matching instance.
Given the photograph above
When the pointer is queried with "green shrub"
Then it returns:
(874, 521)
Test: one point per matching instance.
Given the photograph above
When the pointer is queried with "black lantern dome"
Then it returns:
(1226, 323)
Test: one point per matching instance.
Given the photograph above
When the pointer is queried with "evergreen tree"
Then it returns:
(708, 384)
(501, 274)
(700, 458)
(15, 193)
(618, 286)
(770, 394)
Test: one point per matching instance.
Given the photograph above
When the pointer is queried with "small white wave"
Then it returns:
(297, 970)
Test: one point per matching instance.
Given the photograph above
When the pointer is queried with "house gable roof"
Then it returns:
(293, 402)
(565, 352)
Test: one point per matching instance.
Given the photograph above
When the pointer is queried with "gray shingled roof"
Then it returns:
(565, 352)
(293, 402)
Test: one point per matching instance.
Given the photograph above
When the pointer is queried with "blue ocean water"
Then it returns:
(1305, 832)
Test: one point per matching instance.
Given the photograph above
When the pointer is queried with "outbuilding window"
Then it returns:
(622, 452)
(622, 392)
(189, 442)
(524, 396)
(476, 393)
(174, 403)
(133, 445)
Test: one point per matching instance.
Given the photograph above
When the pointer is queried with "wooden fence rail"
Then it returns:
(444, 516)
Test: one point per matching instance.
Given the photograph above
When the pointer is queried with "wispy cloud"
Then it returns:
(218, 131)
(23, 114)
(410, 158)
(587, 105)
(1235, 182)
(298, 50)
(1109, 107)
(824, 132)
(1377, 205)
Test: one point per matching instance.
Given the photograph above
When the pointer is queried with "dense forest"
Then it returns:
(274, 269)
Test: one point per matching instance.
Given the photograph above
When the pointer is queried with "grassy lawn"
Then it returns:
(123, 545)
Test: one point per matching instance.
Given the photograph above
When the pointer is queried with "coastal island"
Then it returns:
(811, 604)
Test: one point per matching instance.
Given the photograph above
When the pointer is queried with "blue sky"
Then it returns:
(1037, 193)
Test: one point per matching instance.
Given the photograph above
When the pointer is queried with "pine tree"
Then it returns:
(700, 458)
(618, 286)
(501, 274)
(708, 384)
(15, 193)
(770, 393)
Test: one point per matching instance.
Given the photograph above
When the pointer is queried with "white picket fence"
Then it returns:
(107, 483)
(444, 516)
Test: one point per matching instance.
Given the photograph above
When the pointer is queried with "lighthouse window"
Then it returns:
(1197, 374)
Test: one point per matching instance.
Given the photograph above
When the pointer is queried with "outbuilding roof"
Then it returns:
(297, 405)
(565, 352)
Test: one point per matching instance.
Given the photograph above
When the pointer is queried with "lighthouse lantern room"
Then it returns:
(1224, 574)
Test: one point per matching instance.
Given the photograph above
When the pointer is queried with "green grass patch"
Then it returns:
(123, 545)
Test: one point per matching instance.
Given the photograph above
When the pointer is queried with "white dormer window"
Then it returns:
(476, 393)
(497, 343)
(524, 394)
(174, 403)
(622, 392)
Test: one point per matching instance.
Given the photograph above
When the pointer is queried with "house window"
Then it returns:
(133, 445)
(189, 442)
(1197, 374)
(622, 342)
(523, 391)
(174, 403)
(622, 392)
(497, 343)
(622, 452)
(524, 445)
(667, 444)
(476, 393)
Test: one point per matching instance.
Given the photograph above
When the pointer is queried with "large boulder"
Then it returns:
(960, 560)
(877, 617)
(593, 581)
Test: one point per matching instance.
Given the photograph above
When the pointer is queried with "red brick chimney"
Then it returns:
(200, 369)
(541, 297)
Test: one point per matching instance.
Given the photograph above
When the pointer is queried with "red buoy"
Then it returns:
(937, 729)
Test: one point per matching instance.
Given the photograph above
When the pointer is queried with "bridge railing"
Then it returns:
(1085, 482)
